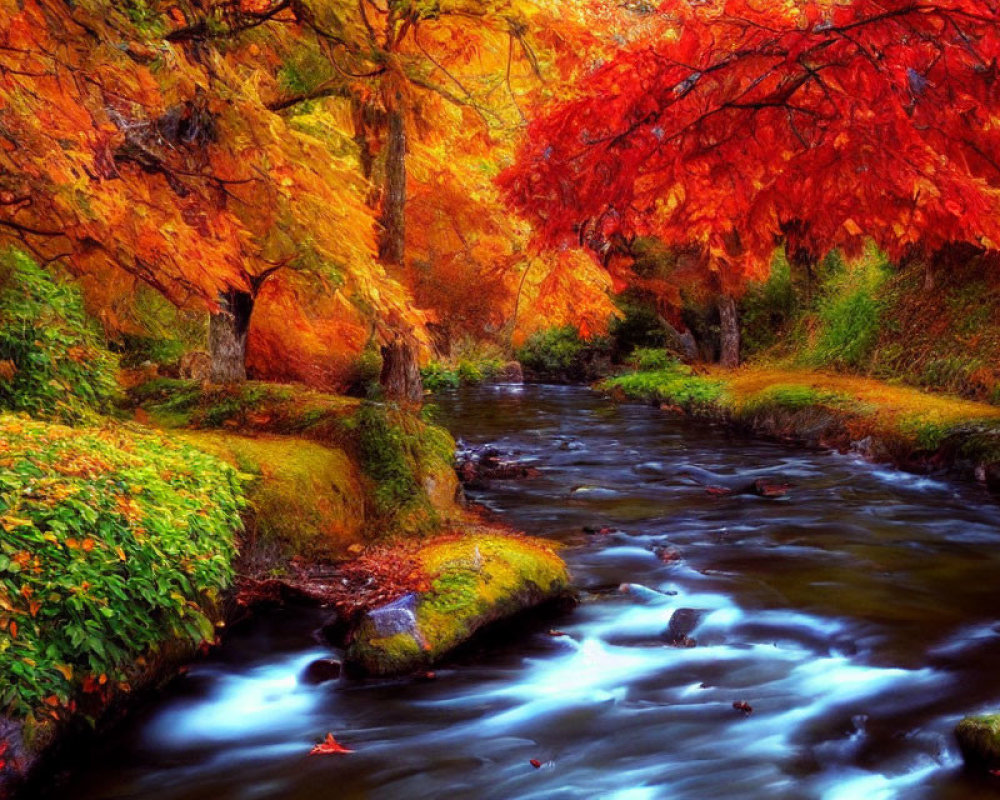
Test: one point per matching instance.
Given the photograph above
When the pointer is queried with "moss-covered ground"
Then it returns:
(901, 423)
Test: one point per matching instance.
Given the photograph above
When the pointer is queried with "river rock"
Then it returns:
(511, 372)
(477, 580)
(322, 670)
(979, 740)
(682, 622)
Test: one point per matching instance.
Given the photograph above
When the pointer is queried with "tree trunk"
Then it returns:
(729, 325)
(227, 336)
(929, 273)
(393, 218)
(802, 268)
(400, 378)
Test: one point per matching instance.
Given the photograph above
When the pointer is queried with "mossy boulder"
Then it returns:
(307, 498)
(979, 740)
(474, 581)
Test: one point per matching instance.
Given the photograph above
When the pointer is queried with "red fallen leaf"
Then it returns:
(766, 489)
(554, 632)
(718, 491)
(329, 746)
(994, 772)
(430, 675)
(668, 555)
(535, 763)
(744, 706)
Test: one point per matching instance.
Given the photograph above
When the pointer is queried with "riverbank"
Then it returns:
(883, 422)
(129, 546)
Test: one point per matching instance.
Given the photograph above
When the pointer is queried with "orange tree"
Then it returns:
(127, 154)
(741, 125)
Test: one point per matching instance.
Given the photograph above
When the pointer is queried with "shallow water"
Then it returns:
(858, 616)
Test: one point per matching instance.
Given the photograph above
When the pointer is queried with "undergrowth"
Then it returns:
(113, 541)
(53, 362)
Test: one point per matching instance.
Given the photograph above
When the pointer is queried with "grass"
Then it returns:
(676, 384)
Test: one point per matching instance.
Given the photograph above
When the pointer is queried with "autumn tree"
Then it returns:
(817, 124)
(132, 154)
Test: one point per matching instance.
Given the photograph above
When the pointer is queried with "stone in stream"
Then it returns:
(320, 671)
(979, 740)
(477, 580)
(682, 622)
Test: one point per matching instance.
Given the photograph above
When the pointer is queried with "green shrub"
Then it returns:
(111, 542)
(560, 354)
(849, 313)
(647, 359)
(677, 385)
(767, 308)
(640, 326)
(53, 362)
(438, 377)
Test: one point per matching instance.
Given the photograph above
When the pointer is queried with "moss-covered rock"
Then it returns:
(474, 581)
(979, 740)
(307, 498)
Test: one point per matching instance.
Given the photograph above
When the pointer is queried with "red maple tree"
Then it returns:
(818, 124)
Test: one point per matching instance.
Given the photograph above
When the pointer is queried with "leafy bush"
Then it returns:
(53, 362)
(111, 542)
(640, 326)
(651, 358)
(767, 308)
(560, 354)
(676, 384)
(849, 313)
(439, 377)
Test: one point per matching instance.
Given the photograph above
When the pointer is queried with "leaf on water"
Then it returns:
(329, 746)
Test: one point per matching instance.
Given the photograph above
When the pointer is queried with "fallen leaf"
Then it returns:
(535, 763)
(718, 491)
(328, 746)
(744, 706)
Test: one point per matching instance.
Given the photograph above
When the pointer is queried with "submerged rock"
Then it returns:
(979, 740)
(322, 670)
(475, 581)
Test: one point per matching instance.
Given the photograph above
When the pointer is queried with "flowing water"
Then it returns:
(857, 615)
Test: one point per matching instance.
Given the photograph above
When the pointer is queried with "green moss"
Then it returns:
(307, 498)
(979, 739)
(475, 580)
(112, 541)
(792, 396)
(53, 362)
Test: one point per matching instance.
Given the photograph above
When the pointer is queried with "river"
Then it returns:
(857, 616)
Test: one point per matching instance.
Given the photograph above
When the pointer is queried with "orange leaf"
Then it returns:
(328, 746)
